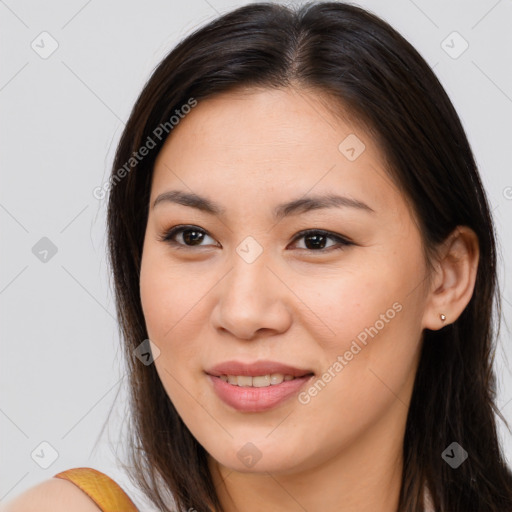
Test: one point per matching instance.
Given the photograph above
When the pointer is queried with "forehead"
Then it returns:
(264, 121)
(267, 142)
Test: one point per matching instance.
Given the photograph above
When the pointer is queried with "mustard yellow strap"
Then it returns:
(104, 491)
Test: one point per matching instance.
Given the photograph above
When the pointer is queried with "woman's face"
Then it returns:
(241, 284)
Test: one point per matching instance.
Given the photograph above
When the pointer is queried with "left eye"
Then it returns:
(315, 239)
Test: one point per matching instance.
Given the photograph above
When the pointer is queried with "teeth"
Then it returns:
(261, 381)
(244, 381)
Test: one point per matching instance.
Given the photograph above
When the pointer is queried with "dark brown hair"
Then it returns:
(373, 72)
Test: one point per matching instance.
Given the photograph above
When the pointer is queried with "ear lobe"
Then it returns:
(454, 282)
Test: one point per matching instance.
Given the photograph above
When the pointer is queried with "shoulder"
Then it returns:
(52, 495)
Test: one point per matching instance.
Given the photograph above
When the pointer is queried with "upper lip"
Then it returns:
(256, 368)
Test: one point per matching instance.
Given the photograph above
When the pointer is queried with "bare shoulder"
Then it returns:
(52, 495)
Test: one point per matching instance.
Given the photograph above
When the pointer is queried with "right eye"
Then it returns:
(192, 235)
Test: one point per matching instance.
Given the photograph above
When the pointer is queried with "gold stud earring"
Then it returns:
(443, 317)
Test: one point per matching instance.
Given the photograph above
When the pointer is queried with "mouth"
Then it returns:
(260, 381)
(262, 371)
(256, 387)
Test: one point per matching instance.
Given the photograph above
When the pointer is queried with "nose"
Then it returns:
(252, 300)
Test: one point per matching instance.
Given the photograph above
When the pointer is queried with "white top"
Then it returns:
(428, 504)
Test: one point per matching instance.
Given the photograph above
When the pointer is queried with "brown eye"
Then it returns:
(315, 240)
(191, 235)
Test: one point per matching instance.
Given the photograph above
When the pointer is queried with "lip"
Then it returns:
(256, 368)
(250, 399)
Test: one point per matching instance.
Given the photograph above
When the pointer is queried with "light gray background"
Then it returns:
(61, 119)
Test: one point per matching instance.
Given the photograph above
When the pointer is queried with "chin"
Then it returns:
(250, 459)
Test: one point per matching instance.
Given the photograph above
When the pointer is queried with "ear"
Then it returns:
(454, 280)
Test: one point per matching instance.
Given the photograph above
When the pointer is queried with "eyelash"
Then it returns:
(168, 236)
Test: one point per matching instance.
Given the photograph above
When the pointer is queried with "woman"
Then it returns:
(297, 223)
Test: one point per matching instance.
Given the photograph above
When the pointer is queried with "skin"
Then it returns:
(204, 304)
(52, 495)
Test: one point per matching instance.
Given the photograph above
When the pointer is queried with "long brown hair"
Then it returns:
(375, 74)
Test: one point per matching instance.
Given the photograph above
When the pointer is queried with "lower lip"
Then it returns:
(251, 399)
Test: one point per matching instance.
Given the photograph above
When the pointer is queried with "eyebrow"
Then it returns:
(294, 207)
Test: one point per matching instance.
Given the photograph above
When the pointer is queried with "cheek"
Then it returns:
(173, 311)
(341, 305)
(163, 293)
(368, 371)
(165, 304)
(367, 327)
(154, 295)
